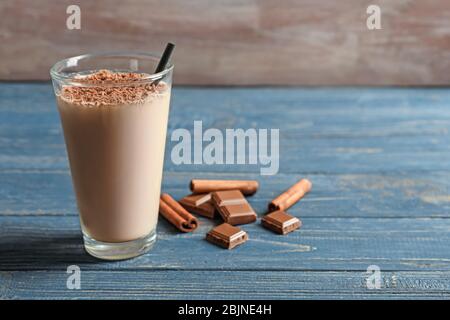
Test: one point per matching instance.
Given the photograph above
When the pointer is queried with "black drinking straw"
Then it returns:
(164, 60)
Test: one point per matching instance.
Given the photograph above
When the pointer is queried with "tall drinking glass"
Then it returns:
(114, 114)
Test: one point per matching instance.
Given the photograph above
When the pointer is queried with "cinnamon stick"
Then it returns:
(176, 214)
(247, 187)
(290, 196)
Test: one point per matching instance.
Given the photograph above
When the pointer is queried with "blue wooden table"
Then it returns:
(379, 161)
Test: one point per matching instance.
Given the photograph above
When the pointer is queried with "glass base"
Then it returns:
(121, 250)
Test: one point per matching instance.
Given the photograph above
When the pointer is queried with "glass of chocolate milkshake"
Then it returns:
(114, 112)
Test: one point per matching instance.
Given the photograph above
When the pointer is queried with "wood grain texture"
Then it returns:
(354, 129)
(342, 244)
(422, 195)
(223, 284)
(239, 42)
(378, 160)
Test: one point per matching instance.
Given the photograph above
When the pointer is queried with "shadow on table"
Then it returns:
(49, 251)
(56, 249)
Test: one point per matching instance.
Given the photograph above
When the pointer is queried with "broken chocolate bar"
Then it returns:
(227, 236)
(199, 204)
(280, 222)
(233, 207)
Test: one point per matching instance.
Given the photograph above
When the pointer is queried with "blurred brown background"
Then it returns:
(234, 42)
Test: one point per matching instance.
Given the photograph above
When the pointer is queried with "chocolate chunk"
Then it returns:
(231, 197)
(227, 236)
(233, 207)
(281, 222)
(199, 204)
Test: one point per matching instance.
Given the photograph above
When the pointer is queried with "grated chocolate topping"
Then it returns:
(97, 94)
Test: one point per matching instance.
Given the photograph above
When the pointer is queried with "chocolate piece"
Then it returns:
(233, 207)
(290, 196)
(176, 214)
(229, 198)
(281, 222)
(247, 187)
(227, 236)
(199, 204)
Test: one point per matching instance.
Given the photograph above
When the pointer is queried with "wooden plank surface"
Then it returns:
(339, 244)
(240, 42)
(420, 195)
(232, 285)
(378, 159)
(356, 129)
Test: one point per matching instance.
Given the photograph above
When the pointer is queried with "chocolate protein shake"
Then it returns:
(115, 130)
